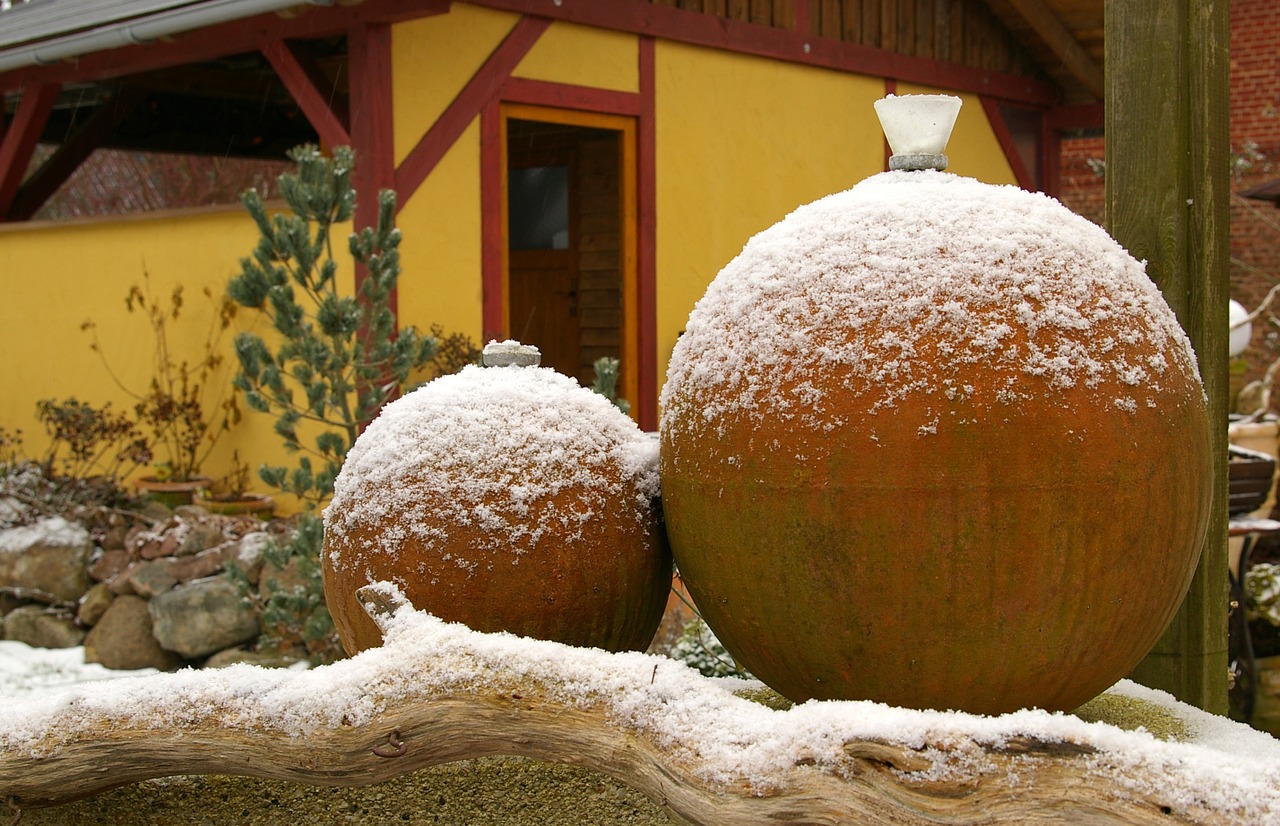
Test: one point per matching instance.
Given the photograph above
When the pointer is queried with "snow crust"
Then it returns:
(1225, 766)
(53, 532)
(492, 447)
(906, 286)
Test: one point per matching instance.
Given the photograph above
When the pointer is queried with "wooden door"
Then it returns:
(566, 242)
(543, 295)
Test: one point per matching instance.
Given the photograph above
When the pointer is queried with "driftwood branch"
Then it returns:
(468, 707)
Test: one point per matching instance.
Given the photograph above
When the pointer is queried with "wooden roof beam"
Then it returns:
(19, 141)
(55, 171)
(1062, 43)
(311, 90)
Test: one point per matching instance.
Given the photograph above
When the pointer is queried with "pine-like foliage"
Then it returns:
(339, 357)
(296, 624)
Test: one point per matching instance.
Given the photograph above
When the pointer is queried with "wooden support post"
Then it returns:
(1167, 202)
(369, 65)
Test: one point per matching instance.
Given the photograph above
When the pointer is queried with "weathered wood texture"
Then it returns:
(1167, 202)
(1012, 780)
(951, 31)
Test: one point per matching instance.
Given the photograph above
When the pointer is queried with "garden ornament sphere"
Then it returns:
(1241, 330)
(508, 498)
(938, 444)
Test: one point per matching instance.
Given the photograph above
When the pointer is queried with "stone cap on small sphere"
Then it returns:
(509, 352)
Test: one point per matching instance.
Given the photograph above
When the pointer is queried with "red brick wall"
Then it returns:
(1255, 146)
(1082, 181)
(1255, 150)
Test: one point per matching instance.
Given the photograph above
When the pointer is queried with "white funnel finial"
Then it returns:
(917, 127)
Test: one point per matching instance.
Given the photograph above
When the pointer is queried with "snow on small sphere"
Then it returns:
(906, 282)
(489, 443)
(481, 472)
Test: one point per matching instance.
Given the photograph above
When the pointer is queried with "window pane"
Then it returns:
(539, 208)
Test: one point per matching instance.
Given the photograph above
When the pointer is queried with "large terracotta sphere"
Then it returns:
(937, 444)
(508, 499)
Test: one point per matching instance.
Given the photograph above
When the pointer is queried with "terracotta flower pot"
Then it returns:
(251, 504)
(937, 444)
(506, 498)
(170, 492)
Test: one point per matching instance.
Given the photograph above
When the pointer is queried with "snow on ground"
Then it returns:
(26, 671)
(1224, 766)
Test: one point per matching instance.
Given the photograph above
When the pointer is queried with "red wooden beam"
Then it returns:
(1057, 120)
(492, 210)
(1077, 116)
(647, 244)
(53, 173)
(568, 96)
(369, 70)
(327, 112)
(221, 40)
(483, 88)
(1007, 144)
(20, 141)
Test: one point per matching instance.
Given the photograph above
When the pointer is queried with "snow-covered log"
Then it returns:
(438, 692)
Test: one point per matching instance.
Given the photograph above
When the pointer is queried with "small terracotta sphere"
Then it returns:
(506, 498)
(937, 444)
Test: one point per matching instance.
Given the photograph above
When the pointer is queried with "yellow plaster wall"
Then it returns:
(742, 141)
(583, 56)
(432, 58)
(440, 253)
(59, 275)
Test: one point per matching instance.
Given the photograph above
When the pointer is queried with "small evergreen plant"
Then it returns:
(607, 369)
(296, 624)
(339, 357)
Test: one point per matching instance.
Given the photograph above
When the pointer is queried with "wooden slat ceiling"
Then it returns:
(1064, 37)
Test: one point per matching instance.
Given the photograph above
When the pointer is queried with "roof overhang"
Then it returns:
(41, 32)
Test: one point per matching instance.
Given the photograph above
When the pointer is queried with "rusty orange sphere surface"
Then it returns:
(506, 498)
(938, 444)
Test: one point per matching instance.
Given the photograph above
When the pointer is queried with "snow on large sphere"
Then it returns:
(946, 274)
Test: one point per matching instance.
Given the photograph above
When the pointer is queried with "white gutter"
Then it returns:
(142, 30)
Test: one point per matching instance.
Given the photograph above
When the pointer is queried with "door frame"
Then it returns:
(498, 306)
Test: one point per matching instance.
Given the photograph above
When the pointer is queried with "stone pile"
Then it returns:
(151, 595)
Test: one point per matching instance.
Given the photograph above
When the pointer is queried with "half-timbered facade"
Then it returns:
(569, 172)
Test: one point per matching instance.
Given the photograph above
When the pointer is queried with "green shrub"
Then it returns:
(339, 357)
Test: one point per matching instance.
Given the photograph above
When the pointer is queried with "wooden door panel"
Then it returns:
(543, 301)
